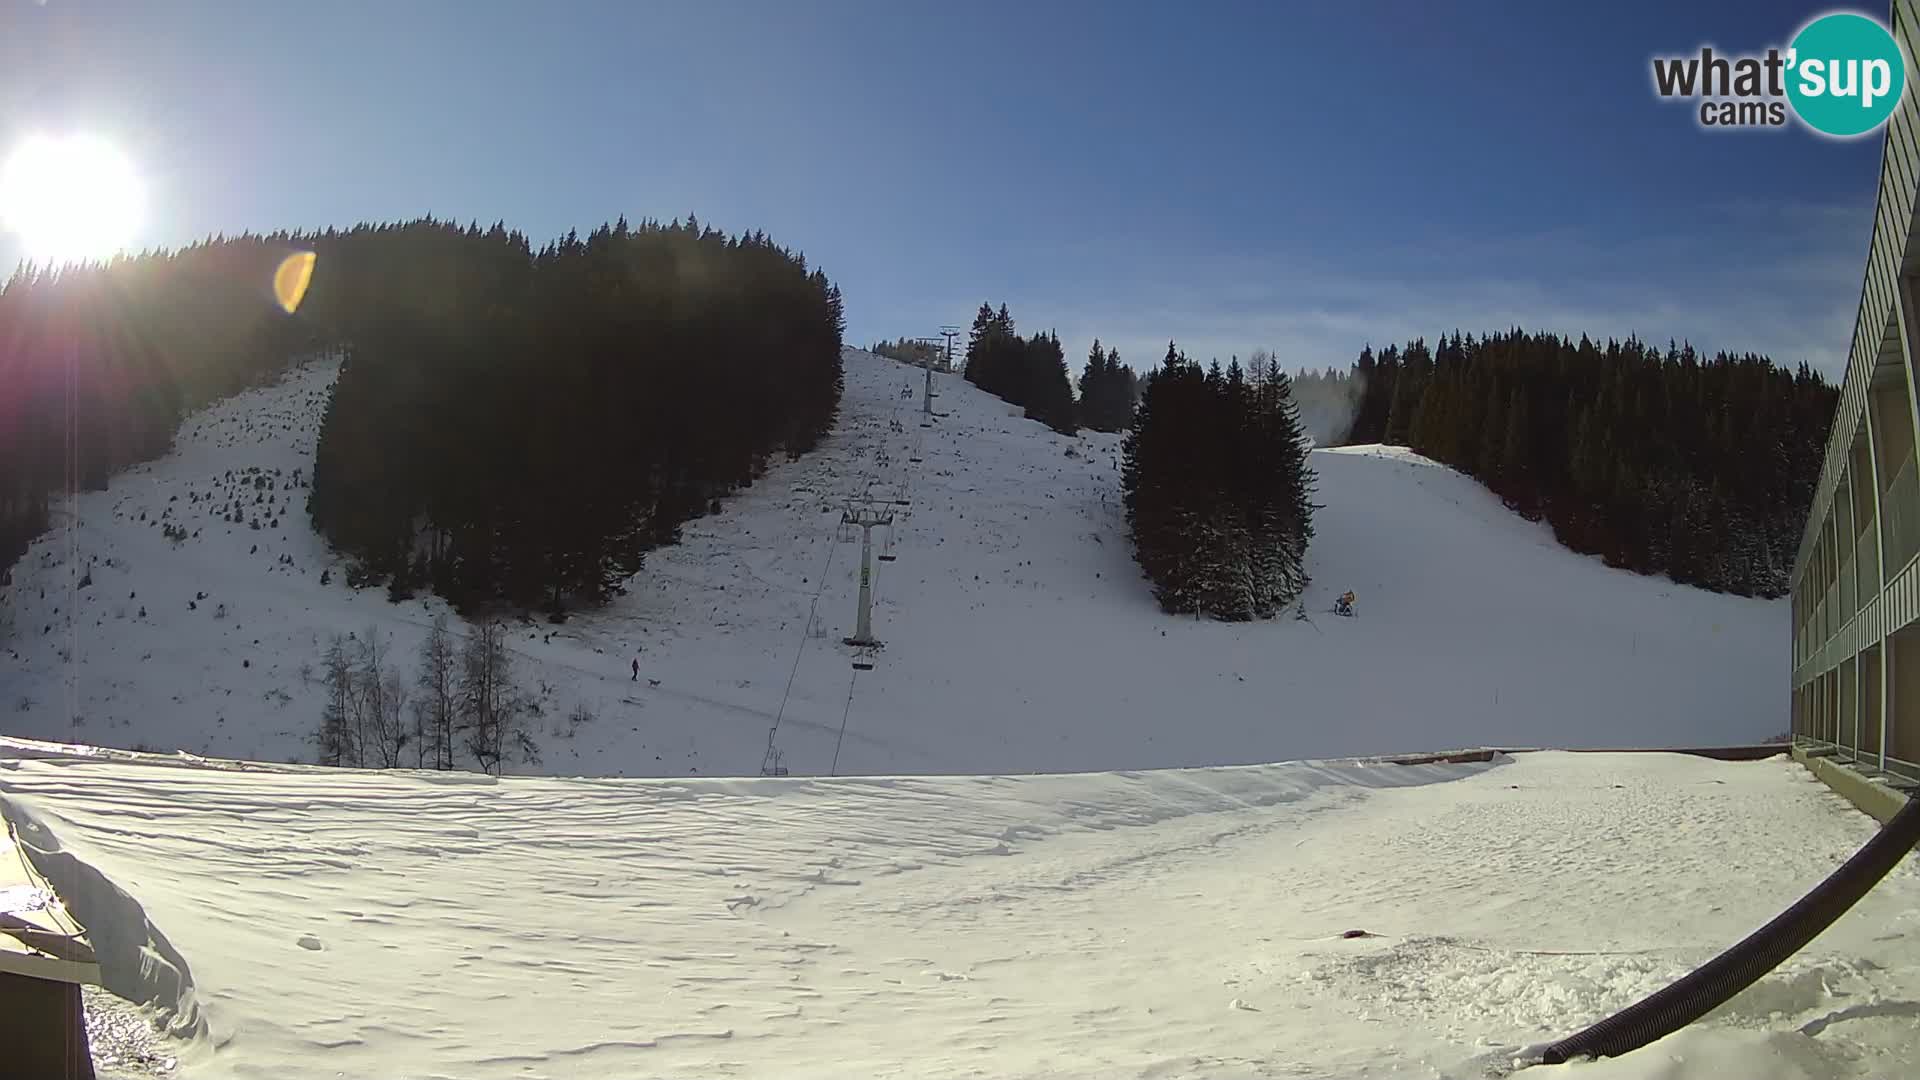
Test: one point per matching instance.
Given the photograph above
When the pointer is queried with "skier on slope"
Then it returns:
(636, 669)
(1344, 605)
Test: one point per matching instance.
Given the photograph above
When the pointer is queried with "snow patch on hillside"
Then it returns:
(1385, 453)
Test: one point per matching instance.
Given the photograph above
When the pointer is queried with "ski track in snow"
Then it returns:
(1020, 635)
(1154, 924)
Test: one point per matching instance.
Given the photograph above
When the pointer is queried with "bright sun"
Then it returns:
(69, 198)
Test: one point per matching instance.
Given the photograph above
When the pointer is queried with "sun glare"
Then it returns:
(69, 198)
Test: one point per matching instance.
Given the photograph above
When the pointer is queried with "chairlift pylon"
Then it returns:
(773, 765)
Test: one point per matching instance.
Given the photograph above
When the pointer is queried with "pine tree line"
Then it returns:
(525, 429)
(1218, 490)
(1108, 390)
(1029, 372)
(909, 351)
(509, 425)
(100, 361)
(1659, 461)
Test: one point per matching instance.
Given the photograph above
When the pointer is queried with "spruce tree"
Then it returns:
(1218, 490)
(1049, 394)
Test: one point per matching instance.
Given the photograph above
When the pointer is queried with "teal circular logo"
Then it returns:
(1845, 74)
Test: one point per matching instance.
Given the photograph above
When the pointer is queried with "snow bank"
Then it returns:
(1179, 923)
(137, 962)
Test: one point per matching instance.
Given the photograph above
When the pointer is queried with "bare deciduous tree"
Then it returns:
(493, 714)
(362, 725)
(382, 701)
(439, 703)
(337, 744)
(463, 694)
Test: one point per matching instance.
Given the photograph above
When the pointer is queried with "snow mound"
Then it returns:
(1019, 635)
(1166, 923)
(1385, 453)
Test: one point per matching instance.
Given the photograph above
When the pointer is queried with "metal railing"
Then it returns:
(1849, 602)
(1866, 763)
(1867, 570)
(1901, 509)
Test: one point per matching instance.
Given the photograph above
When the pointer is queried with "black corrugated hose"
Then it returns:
(1705, 988)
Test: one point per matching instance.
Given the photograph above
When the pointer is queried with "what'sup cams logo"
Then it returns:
(1843, 75)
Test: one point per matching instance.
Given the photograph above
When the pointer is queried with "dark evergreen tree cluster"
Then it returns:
(1029, 372)
(518, 427)
(509, 425)
(1108, 390)
(98, 362)
(1659, 461)
(1218, 490)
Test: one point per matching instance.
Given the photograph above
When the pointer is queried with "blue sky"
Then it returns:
(1302, 177)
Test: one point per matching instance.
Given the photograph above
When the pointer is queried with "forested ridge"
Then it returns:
(100, 361)
(1661, 461)
(549, 416)
(509, 426)
(519, 426)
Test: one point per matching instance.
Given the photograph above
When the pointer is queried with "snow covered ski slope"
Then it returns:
(1019, 634)
(314, 923)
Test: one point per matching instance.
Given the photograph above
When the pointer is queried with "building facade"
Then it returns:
(1856, 580)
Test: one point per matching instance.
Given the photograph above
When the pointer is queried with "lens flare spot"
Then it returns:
(291, 278)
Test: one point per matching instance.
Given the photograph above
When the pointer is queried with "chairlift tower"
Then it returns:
(775, 762)
(926, 393)
(927, 354)
(949, 332)
(865, 517)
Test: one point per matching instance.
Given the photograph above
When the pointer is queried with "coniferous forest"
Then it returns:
(508, 426)
(1108, 391)
(1028, 372)
(1661, 461)
(541, 419)
(491, 391)
(1217, 489)
(100, 362)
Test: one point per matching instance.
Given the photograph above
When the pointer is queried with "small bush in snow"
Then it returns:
(566, 727)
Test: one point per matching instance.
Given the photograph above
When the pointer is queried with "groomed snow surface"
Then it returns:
(1020, 636)
(1180, 923)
